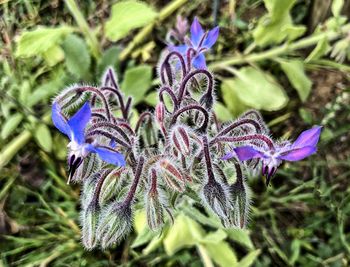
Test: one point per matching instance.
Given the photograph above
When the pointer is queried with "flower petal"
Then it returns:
(211, 38)
(196, 32)
(182, 49)
(199, 62)
(108, 155)
(78, 123)
(247, 152)
(298, 153)
(308, 138)
(228, 156)
(59, 120)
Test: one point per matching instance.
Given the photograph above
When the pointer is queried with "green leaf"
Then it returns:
(337, 6)
(222, 254)
(294, 69)
(249, 259)
(184, 233)
(277, 25)
(127, 16)
(258, 89)
(222, 112)
(231, 100)
(151, 99)
(10, 125)
(46, 90)
(109, 58)
(214, 237)
(320, 50)
(38, 41)
(53, 55)
(241, 236)
(137, 81)
(43, 137)
(77, 55)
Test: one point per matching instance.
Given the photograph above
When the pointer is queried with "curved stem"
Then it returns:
(236, 124)
(207, 159)
(98, 125)
(253, 137)
(166, 64)
(141, 119)
(108, 135)
(172, 95)
(191, 107)
(133, 187)
(189, 76)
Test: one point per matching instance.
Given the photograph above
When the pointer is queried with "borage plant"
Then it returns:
(178, 151)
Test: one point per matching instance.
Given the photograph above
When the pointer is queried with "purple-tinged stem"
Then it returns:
(141, 119)
(166, 61)
(170, 92)
(98, 125)
(191, 107)
(107, 135)
(207, 159)
(136, 181)
(191, 75)
(236, 124)
(253, 137)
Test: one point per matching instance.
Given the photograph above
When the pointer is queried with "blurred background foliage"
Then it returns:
(287, 58)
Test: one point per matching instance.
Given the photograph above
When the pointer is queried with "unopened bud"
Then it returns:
(172, 176)
(240, 202)
(89, 219)
(115, 224)
(215, 197)
(159, 112)
(181, 140)
(109, 186)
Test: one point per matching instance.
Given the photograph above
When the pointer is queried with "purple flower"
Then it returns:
(79, 147)
(304, 146)
(200, 42)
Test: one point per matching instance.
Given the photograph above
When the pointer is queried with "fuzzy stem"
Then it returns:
(141, 119)
(237, 124)
(166, 61)
(107, 135)
(98, 125)
(207, 158)
(190, 107)
(170, 92)
(253, 137)
(133, 187)
(191, 75)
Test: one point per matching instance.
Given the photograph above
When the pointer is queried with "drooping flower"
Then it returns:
(304, 146)
(79, 146)
(200, 42)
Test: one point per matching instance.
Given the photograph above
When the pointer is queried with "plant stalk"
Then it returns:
(280, 50)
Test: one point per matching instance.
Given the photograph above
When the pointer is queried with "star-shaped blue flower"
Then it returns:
(305, 145)
(200, 42)
(79, 147)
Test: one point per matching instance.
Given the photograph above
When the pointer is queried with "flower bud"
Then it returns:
(115, 224)
(154, 207)
(171, 175)
(159, 112)
(89, 219)
(215, 197)
(240, 203)
(181, 140)
(109, 187)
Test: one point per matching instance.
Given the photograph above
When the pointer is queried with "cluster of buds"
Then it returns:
(179, 146)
